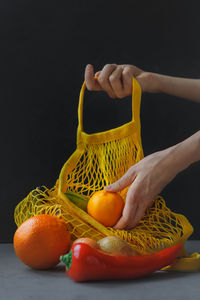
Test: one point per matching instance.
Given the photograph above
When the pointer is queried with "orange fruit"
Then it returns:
(105, 207)
(39, 241)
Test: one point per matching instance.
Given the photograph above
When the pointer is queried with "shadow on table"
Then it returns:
(151, 278)
(59, 270)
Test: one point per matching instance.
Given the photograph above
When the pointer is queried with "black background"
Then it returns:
(44, 48)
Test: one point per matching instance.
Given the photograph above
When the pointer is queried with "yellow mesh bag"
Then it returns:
(101, 159)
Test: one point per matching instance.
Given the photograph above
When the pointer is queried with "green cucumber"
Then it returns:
(77, 199)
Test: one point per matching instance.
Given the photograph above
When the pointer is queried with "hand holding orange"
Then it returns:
(105, 207)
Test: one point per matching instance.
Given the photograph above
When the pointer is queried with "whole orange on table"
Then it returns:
(40, 240)
(105, 207)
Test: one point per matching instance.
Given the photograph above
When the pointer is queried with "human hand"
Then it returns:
(146, 179)
(116, 80)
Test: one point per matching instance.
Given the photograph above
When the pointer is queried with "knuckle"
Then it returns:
(107, 66)
(127, 71)
(102, 80)
(126, 74)
(112, 78)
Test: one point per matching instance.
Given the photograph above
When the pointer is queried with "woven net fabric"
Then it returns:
(101, 159)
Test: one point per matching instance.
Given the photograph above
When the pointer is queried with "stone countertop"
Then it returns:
(19, 282)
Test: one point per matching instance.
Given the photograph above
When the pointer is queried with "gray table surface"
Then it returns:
(19, 282)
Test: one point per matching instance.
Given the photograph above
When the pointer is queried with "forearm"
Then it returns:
(185, 153)
(179, 87)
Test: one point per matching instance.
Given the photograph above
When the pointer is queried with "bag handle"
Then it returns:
(136, 99)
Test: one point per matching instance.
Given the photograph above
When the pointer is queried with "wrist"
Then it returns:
(172, 161)
(185, 153)
(154, 82)
(163, 83)
(177, 158)
(157, 79)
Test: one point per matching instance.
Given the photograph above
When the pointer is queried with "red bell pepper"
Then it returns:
(85, 263)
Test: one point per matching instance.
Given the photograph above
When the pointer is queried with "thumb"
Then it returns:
(91, 80)
(122, 183)
(89, 68)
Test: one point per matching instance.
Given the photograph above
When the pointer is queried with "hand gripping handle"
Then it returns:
(136, 100)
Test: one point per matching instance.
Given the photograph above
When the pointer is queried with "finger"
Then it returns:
(138, 216)
(123, 182)
(127, 80)
(127, 216)
(91, 83)
(103, 79)
(122, 223)
(133, 194)
(116, 82)
(131, 205)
